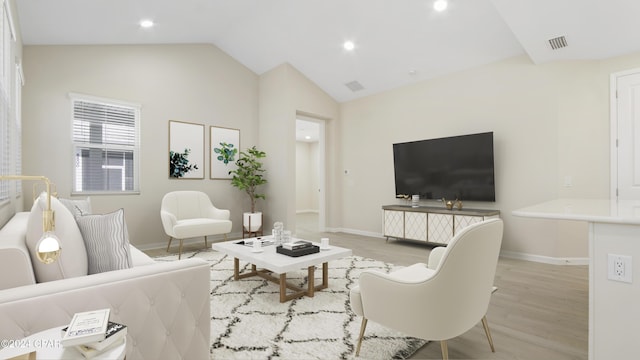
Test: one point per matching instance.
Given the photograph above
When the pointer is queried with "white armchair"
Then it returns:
(189, 214)
(436, 301)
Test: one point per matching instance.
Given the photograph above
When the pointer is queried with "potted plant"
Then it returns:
(248, 176)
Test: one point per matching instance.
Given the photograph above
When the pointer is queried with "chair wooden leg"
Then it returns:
(225, 237)
(168, 246)
(445, 349)
(485, 324)
(180, 251)
(362, 327)
(205, 242)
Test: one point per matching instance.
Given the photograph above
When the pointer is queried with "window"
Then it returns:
(106, 145)
(7, 40)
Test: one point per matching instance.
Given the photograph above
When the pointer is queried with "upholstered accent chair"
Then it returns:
(439, 300)
(189, 214)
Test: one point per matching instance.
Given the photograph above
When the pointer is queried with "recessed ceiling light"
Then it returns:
(308, 137)
(146, 23)
(440, 5)
(349, 45)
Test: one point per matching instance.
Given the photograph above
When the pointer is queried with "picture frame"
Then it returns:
(224, 150)
(186, 150)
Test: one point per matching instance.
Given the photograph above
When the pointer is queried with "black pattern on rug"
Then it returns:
(249, 322)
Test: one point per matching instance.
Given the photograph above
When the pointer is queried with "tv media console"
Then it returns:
(429, 223)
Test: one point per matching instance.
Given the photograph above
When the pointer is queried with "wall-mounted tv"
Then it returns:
(453, 167)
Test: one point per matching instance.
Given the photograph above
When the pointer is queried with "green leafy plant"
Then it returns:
(250, 174)
(227, 153)
(179, 163)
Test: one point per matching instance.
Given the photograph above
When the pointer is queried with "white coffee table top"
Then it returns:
(278, 263)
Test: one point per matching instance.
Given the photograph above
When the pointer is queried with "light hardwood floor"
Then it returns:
(539, 312)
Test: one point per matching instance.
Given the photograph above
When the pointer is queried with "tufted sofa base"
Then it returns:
(165, 306)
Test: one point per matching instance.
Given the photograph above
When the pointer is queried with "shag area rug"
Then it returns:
(249, 322)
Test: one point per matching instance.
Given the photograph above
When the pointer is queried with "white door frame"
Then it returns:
(322, 225)
(613, 132)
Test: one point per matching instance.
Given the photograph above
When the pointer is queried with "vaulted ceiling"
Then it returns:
(397, 42)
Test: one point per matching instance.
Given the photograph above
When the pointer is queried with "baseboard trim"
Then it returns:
(355, 232)
(544, 259)
(308, 211)
(504, 253)
(175, 243)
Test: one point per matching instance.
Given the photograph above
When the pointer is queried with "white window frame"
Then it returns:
(17, 143)
(7, 40)
(77, 188)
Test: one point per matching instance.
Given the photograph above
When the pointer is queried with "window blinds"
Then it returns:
(105, 137)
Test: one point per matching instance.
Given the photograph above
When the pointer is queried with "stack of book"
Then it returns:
(296, 245)
(91, 333)
(297, 248)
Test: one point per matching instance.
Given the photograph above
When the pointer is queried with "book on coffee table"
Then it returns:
(307, 250)
(298, 244)
(263, 242)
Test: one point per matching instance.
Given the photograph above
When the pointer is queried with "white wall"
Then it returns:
(192, 83)
(285, 93)
(549, 121)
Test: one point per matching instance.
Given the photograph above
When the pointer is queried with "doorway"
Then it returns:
(625, 135)
(310, 175)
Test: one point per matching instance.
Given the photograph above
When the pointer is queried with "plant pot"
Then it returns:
(252, 222)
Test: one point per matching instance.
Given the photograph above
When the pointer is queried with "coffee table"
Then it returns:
(272, 262)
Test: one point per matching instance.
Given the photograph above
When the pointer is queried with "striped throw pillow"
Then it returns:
(106, 240)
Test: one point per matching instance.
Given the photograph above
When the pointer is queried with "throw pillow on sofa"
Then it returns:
(78, 207)
(73, 257)
(106, 240)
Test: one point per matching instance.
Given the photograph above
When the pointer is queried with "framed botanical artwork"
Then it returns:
(224, 145)
(186, 150)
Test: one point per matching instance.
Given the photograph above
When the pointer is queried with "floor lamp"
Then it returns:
(48, 247)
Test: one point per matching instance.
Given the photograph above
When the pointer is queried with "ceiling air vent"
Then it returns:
(558, 42)
(354, 86)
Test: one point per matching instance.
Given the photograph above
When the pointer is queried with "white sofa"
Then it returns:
(165, 305)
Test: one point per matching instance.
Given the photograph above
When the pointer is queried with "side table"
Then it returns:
(47, 345)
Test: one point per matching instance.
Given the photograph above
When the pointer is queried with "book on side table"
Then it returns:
(86, 327)
(90, 353)
(114, 336)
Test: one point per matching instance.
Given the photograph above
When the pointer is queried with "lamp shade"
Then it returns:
(48, 248)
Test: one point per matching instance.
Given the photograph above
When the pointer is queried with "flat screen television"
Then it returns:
(453, 167)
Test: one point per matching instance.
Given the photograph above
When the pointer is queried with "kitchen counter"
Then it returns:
(614, 233)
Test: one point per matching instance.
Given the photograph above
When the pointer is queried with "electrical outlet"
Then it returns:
(619, 268)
